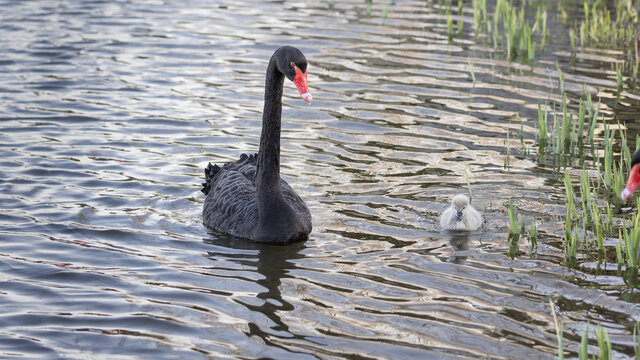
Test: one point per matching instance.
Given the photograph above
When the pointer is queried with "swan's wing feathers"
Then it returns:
(246, 166)
(209, 173)
(231, 205)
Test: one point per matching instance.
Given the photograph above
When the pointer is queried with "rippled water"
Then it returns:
(111, 109)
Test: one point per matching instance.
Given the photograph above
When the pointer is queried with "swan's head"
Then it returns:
(460, 203)
(292, 63)
(634, 177)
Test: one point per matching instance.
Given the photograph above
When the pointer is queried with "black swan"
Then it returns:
(460, 215)
(247, 198)
(634, 177)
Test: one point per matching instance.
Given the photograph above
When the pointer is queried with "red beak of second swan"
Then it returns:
(301, 83)
(632, 184)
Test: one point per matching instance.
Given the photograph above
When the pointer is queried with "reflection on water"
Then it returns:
(459, 242)
(111, 110)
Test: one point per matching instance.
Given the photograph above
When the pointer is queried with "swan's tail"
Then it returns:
(212, 170)
(209, 173)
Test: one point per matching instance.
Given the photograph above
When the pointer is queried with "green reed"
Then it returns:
(385, 13)
(533, 234)
(614, 28)
(473, 76)
(603, 343)
(572, 42)
(510, 30)
(479, 14)
(515, 230)
(593, 115)
(583, 349)
(461, 21)
(636, 330)
(514, 227)
(619, 253)
(558, 331)
(542, 129)
(449, 27)
(572, 235)
(619, 81)
(560, 78)
(632, 241)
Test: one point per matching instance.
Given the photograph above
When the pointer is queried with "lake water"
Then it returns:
(109, 111)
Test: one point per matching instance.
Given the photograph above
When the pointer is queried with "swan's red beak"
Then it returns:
(632, 184)
(301, 83)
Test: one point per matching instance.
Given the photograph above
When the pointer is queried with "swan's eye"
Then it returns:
(293, 64)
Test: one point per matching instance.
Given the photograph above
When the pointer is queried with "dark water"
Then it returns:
(111, 109)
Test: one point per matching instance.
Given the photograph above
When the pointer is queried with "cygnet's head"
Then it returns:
(460, 202)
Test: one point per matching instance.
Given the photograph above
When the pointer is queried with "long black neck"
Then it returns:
(268, 170)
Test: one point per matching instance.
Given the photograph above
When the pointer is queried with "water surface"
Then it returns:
(110, 110)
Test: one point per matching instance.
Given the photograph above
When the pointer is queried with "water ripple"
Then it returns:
(110, 111)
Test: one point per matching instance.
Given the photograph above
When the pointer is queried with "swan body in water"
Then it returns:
(460, 215)
(247, 198)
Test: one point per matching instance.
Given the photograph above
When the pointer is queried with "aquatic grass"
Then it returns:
(514, 227)
(567, 122)
(572, 236)
(581, 121)
(594, 121)
(533, 234)
(619, 253)
(473, 76)
(619, 82)
(507, 159)
(515, 230)
(572, 42)
(583, 349)
(636, 347)
(571, 247)
(632, 241)
(598, 227)
(542, 129)
(615, 29)
(480, 14)
(603, 343)
(510, 30)
(558, 331)
(384, 10)
(608, 155)
(461, 21)
(560, 78)
(449, 27)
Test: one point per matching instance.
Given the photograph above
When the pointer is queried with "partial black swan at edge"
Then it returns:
(247, 198)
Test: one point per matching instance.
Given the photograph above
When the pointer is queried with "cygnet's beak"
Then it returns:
(458, 215)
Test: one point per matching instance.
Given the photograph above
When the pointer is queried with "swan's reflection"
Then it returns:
(273, 262)
(459, 240)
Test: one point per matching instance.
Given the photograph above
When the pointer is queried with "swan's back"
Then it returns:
(231, 204)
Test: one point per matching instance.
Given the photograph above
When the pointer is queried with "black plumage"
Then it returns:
(247, 198)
